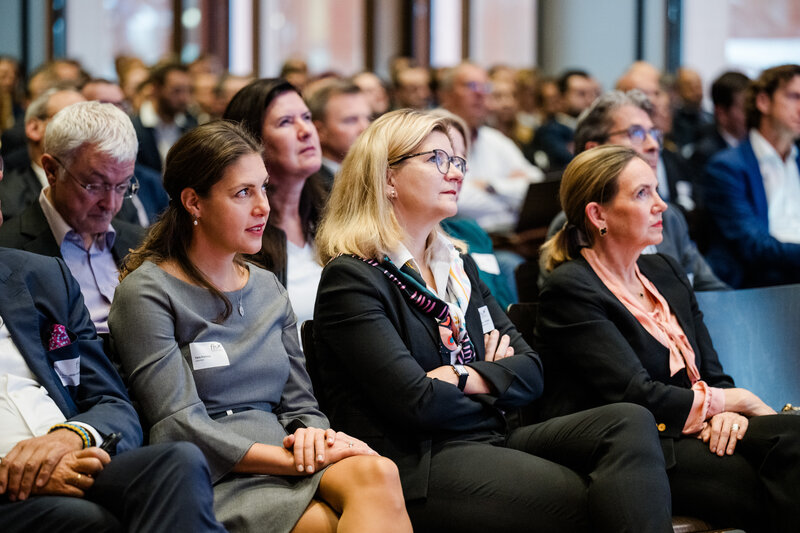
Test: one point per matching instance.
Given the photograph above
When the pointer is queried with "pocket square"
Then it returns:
(58, 337)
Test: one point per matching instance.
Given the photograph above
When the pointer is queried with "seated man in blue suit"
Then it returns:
(89, 156)
(753, 191)
(61, 402)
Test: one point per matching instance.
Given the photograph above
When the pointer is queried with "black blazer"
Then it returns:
(595, 352)
(19, 189)
(30, 231)
(374, 348)
(148, 154)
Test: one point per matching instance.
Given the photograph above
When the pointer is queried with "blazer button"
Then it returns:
(662, 426)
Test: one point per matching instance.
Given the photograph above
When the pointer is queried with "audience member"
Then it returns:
(624, 119)
(11, 97)
(730, 121)
(752, 192)
(133, 75)
(554, 138)
(25, 177)
(163, 117)
(412, 88)
(499, 174)
(433, 400)
(614, 325)
(272, 110)
(295, 71)
(528, 113)
(204, 97)
(104, 91)
(689, 117)
(503, 111)
(211, 348)
(340, 111)
(376, 92)
(89, 156)
(675, 177)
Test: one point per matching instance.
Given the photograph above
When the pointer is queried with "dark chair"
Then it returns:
(756, 335)
(312, 365)
(527, 277)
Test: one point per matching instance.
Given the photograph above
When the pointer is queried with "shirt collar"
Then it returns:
(764, 150)
(442, 249)
(150, 119)
(41, 175)
(331, 165)
(61, 229)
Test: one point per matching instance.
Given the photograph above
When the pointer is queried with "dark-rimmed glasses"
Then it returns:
(126, 189)
(638, 134)
(442, 159)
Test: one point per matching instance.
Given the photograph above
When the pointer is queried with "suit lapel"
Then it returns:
(755, 180)
(20, 315)
(33, 225)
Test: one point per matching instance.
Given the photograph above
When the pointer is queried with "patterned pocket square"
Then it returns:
(58, 337)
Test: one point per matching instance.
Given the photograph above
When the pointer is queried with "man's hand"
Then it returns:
(33, 460)
(75, 473)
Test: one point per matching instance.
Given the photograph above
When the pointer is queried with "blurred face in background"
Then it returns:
(467, 97)
(346, 116)
(413, 88)
(502, 103)
(291, 143)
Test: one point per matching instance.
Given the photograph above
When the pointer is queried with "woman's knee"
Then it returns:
(375, 470)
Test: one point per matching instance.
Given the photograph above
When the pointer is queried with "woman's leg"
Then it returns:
(317, 518)
(617, 448)
(365, 490)
(477, 487)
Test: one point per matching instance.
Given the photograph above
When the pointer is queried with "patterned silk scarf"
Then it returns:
(453, 340)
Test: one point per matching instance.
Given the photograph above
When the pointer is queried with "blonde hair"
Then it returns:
(590, 177)
(359, 218)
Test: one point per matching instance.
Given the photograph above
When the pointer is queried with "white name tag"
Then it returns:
(486, 319)
(69, 371)
(487, 262)
(208, 355)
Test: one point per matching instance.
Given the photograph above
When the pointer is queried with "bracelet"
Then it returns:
(86, 437)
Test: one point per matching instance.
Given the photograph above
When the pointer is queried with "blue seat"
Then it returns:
(757, 335)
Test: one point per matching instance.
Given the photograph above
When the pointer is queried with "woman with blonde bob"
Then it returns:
(210, 347)
(615, 325)
(417, 359)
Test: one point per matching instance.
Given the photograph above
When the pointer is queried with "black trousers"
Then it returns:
(164, 487)
(596, 470)
(756, 489)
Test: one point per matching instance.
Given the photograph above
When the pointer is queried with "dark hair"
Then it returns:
(159, 73)
(727, 86)
(249, 107)
(198, 160)
(768, 82)
(563, 80)
(596, 121)
(318, 100)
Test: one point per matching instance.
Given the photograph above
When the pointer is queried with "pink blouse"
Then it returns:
(662, 324)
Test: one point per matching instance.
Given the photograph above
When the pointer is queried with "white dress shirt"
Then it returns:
(782, 187)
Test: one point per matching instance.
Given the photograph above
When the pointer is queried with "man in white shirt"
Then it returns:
(498, 174)
(753, 191)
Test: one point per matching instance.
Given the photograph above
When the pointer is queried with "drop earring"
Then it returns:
(194, 221)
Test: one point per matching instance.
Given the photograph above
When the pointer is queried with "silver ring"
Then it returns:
(349, 444)
(735, 427)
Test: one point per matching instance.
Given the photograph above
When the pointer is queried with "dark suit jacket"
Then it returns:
(595, 352)
(30, 231)
(374, 348)
(37, 292)
(19, 189)
(743, 253)
(148, 147)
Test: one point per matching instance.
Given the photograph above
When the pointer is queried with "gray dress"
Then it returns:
(221, 386)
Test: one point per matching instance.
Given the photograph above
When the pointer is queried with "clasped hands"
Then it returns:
(315, 448)
(54, 464)
(723, 430)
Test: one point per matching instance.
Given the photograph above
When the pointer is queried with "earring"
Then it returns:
(194, 221)
(603, 231)
(393, 194)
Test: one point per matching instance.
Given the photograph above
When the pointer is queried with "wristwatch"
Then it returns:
(462, 373)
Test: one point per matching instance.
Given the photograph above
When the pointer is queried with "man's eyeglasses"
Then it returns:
(442, 160)
(638, 134)
(126, 189)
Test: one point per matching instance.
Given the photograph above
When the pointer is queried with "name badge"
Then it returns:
(486, 319)
(208, 355)
(69, 371)
(487, 262)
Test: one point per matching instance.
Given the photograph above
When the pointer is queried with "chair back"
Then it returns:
(756, 333)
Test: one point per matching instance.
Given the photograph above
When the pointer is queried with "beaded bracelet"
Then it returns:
(86, 437)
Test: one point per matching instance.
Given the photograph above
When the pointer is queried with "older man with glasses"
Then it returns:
(89, 157)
